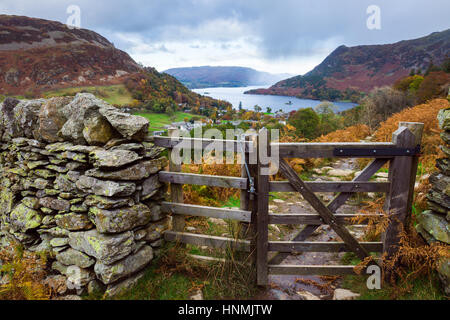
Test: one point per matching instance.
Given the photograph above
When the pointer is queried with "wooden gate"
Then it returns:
(401, 154)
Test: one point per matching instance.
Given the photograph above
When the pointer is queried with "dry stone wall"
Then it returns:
(434, 224)
(79, 180)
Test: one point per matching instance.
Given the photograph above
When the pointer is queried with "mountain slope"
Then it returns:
(37, 55)
(207, 76)
(348, 71)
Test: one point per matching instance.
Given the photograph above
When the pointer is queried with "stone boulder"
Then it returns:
(24, 219)
(51, 118)
(73, 221)
(138, 171)
(74, 257)
(436, 225)
(105, 188)
(123, 268)
(105, 159)
(120, 220)
(26, 114)
(8, 125)
(129, 126)
(106, 248)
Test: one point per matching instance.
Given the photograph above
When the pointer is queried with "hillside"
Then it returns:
(38, 55)
(349, 71)
(207, 77)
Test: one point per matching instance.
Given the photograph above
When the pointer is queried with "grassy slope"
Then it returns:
(159, 120)
(114, 94)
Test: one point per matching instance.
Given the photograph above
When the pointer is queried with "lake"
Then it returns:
(236, 95)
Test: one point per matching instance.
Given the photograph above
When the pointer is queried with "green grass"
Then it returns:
(159, 120)
(175, 276)
(114, 94)
(422, 288)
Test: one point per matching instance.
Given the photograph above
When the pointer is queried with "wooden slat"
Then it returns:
(306, 270)
(324, 150)
(322, 210)
(197, 143)
(203, 211)
(262, 231)
(342, 186)
(176, 190)
(210, 241)
(316, 246)
(334, 205)
(203, 180)
(397, 200)
(315, 219)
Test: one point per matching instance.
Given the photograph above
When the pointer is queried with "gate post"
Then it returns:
(176, 190)
(402, 176)
(262, 218)
(248, 201)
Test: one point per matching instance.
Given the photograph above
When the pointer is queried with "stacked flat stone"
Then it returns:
(79, 180)
(434, 224)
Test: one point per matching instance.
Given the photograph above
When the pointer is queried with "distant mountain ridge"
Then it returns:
(348, 71)
(211, 76)
(38, 54)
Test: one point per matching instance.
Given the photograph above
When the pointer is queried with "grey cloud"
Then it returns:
(283, 28)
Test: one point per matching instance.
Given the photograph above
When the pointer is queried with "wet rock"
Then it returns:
(120, 220)
(340, 172)
(344, 294)
(105, 188)
(131, 264)
(75, 257)
(306, 295)
(106, 248)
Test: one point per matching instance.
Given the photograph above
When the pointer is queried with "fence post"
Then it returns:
(262, 218)
(176, 190)
(402, 175)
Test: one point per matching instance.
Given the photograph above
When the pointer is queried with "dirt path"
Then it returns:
(287, 287)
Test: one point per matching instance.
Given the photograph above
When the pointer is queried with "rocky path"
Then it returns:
(287, 287)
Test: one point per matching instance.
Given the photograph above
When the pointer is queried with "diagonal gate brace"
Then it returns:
(322, 210)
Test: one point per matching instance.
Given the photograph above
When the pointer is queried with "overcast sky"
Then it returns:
(284, 36)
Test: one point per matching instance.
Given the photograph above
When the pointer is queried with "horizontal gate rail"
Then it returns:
(315, 219)
(341, 186)
(309, 270)
(210, 241)
(198, 143)
(203, 180)
(316, 246)
(327, 150)
(203, 211)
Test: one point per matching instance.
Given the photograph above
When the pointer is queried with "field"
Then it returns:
(114, 94)
(159, 120)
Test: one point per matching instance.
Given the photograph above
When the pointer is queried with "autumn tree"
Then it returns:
(306, 122)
